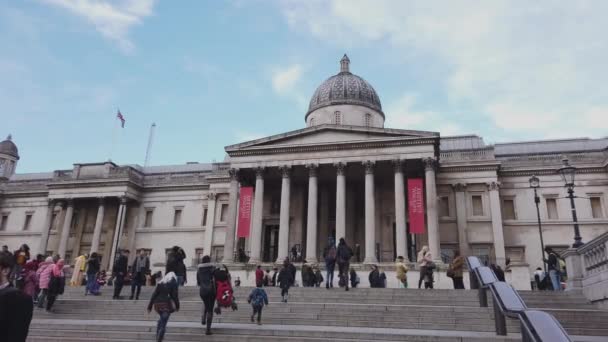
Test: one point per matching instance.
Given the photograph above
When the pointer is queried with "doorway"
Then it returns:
(270, 246)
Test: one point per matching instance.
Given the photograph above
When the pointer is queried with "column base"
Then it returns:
(253, 261)
(368, 261)
(312, 260)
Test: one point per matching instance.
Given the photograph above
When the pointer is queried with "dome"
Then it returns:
(345, 88)
(8, 147)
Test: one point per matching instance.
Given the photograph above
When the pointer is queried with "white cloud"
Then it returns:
(285, 79)
(524, 65)
(112, 19)
(404, 113)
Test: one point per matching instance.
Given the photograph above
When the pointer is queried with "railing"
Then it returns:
(587, 268)
(536, 326)
(486, 153)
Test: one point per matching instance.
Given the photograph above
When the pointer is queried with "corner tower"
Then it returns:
(345, 99)
(9, 155)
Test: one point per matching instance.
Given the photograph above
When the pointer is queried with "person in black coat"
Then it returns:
(16, 308)
(205, 279)
(286, 279)
(175, 264)
(165, 301)
(344, 254)
(374, 278)
(119, 271)
(93, 268)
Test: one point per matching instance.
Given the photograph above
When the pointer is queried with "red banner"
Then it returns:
(246, 199)
(415, 200)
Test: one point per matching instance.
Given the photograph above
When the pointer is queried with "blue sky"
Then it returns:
(215, 73)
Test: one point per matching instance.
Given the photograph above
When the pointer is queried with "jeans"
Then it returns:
(422, 273)
(136, 284)
(42, 297)
(343, 268)
(458, 283)
(555, 280)
(257, 310)
(118, 283)
(161, 326)
(180, 280)
(91, 279)
(330, 275)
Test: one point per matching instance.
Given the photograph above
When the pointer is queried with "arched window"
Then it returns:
(337, 117)
(312, 122)
(368, 119)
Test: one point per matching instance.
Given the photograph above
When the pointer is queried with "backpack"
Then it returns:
(257, 298)
(330, 256)
(224, 294)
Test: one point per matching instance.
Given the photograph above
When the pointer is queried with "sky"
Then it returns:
(216, 73)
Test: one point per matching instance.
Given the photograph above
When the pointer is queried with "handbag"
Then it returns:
(430, 265)
(163, 307)
(450, 273)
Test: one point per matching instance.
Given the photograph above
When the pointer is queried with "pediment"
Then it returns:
(330, 135)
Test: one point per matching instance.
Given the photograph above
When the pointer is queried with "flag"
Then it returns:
(121, 118)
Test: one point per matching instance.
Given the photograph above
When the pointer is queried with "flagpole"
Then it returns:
(113, 141)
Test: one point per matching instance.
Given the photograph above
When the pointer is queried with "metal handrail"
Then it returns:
(536, 326)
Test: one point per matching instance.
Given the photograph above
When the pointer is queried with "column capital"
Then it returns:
(124, 200)
(312, 169)
(101, 200)
(459, 187)
(340, 168)
(369, 166)
(430, 164)
(493, 186)
(211, 196)
(69, 202)
(259, 172)
(285, 171)
(234, 174)
(51, 203)
(398, 165)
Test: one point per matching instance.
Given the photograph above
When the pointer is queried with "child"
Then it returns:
(257, 299)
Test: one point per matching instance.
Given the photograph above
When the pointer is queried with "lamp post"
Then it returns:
(568, 172)
(535, 184)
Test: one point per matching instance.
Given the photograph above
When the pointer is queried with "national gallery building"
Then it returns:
(387, 191)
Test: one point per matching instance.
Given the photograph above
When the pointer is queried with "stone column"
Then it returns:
(311, 228)
(499, 238)
(233, 198)
(98, 225)
(575, 267)
(258, 212)
(120, 220)
(400, 225)
(44, 238)
(340, 201)
(370, 214)
(461, 218)
(431, 208)
(65, 231)
(211, 201)
(283, 251)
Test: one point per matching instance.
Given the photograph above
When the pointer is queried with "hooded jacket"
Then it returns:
(44, 273)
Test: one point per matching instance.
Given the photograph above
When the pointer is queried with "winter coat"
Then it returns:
(205, 279)
(285, 278)
(30, 281)
(259, 276)
(344, 254)
(93, 266)
(120, 266)
(306, 272)
(166, 294)
(258, 298)
(401, 270)
(457, 266)
(374, 279)
(44, 273)
(16, 309)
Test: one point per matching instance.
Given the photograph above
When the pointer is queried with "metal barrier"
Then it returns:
(536, 326)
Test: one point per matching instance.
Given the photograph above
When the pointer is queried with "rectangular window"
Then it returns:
(223, 213)
(148, 218)
(483, 252)
(205, 217)
(198, 258)
(444, 206)
(4, 222)
(508, 209)
(28, 221)
(596, 207)
(551, 208)
(217, 254)
(477, 205)
(177, 218)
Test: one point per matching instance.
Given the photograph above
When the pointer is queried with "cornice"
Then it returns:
(332, 146)
(469, 168)
(546, 172)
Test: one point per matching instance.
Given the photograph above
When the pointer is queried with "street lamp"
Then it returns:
(535, 184)
(568, 172)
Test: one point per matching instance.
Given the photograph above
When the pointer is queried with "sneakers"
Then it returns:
(252, 319)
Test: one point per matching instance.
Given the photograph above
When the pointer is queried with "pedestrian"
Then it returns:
(329, 255)
(456, 271)
(119, 272)
(343, 255)
(318, 277)
(22, 255)
(266, 281)
(374, 277)
(498, 271)
(56, 284)
(259, 276)
(275, 273)
(92, 269)
(16, 308)
(205, 279)
(175, 264)
(422, 261)
(80, 265)
(140, 267)
(286, 279)
(540, 279)
(257, 298)
(401, 272)
(554, 269)
(165, 301)
(305, 275)
(237, 282)
(30, 281)
(44, 277)
(354, 278)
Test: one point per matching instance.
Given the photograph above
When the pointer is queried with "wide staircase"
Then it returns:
(312, 314)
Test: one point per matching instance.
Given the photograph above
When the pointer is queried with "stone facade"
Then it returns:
(340, 179)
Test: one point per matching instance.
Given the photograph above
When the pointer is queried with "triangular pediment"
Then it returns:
(330, 134)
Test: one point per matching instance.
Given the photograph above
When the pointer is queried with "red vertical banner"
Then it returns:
(415, 200)
(245, 201)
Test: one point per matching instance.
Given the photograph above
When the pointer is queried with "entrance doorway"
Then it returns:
(270, 247)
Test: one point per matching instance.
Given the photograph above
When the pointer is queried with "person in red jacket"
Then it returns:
(259, 276)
